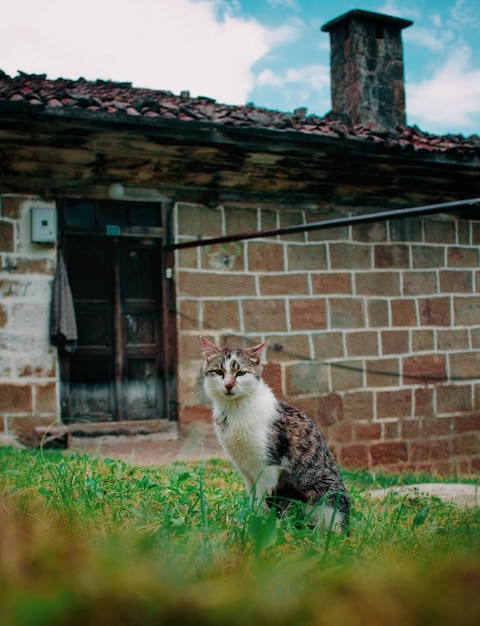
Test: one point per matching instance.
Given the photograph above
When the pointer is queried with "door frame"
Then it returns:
(168, 323)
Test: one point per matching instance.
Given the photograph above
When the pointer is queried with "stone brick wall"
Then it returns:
(374, 330)
(28, 365)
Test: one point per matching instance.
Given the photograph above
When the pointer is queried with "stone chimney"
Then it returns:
(367, 69)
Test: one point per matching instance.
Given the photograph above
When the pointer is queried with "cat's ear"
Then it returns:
(209, 349)
(257, 353)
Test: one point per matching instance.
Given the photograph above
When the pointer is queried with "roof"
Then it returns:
(369, 16)
(115, 99)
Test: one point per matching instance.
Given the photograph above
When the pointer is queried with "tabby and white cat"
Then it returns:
(279, 450)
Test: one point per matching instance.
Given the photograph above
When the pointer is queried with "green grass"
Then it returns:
(86, 542)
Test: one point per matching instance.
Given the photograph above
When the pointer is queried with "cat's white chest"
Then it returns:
(244, 430)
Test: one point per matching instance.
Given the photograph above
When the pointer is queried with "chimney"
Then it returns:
(367, 69)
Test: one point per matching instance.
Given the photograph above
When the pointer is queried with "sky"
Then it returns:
(269, 52)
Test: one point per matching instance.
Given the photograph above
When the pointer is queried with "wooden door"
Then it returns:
(118, 369)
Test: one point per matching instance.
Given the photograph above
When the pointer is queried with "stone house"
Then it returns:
(110, 193)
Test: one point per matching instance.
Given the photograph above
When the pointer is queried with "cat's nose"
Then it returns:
(229, 386)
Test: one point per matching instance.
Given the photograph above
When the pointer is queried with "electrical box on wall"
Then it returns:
(44, 225)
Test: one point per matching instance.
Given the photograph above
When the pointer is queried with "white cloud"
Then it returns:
(160, 44)
(299, 85)
(451, 97)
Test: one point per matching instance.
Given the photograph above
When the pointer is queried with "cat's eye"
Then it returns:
(240, 373)
(218, 372)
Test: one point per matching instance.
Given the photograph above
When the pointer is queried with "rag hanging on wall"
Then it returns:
(63, 324)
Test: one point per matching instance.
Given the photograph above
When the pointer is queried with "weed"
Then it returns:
(84, 541)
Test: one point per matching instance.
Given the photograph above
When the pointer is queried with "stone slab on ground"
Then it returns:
(460, 494)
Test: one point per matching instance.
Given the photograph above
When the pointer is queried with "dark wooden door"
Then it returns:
(117, 371)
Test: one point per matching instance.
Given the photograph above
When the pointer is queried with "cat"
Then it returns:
(279, 450)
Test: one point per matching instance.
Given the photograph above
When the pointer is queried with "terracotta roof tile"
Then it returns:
(118, 99)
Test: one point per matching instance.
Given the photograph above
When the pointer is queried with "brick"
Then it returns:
(456, 281)
(264, 316)
(410, 429)
(34, 266)
(307, 257)
(280, 284)
(383, 373)
(475, 233)
(467, 445)
(434, 311)
(419, 283)
(21, 427)
(265, 257)
(188, 258)
(403, 312)
(363, 343)
(330, 410)
(358, 406)
(428, 256)
(292, 218)
(454, 399)
(188, 314)
(198, 221)
(332, 283)
(268, 219)
(339, 433)
(367, 432)
(466, 423)
(424, 369)
(462, 257)
(190, 415)
(466, 310)
(12, 206)
(370, 232)
(464, 365)
(388, 452)
(377, 284)
(328, 345)
(226, 257)
(46, 398)
(350, 256)
(189, 348)
(288, 346)
(307, 377)
(422, 340)
(423, 402)
(394, 403)
(395, 342)
(391, 430)
(437, 231)
(346, 313)
(3, 316)
(15, 398)
(378, 313)
(347, 375)
(436, 427)
(391, 256)
(474, 334)
(354, 456)
(307, 314)
(272, 375)
(450, 340)
(463, 230)
(7, 236)
(240, 220)
(221, 314)
(329, 234)
(218, 285)
(406, 229)
(429, 450)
